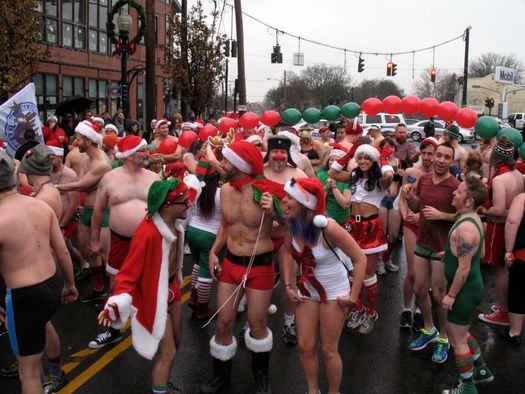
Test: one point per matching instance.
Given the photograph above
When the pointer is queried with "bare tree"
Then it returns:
(444, 89)
(486, 64)
(379, 88)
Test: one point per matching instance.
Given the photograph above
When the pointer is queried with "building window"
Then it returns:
(74, 24)
(46, 93)
(97, 93)
(48, 20)
(72, 86)
(98, 16)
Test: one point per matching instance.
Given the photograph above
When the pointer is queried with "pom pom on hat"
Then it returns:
(310, 193)
(129, 145)
(320, 221)
(244, 156)
(110, 140)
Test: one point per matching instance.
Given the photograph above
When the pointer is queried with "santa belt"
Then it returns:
(359, 218)
(258, 260)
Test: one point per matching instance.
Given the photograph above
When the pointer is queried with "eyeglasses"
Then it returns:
(186, 202)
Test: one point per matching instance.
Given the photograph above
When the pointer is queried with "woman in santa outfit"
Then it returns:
(369, 182)
(320, 246)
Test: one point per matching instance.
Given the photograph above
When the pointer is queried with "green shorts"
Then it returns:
(88, 214)
(426, 253)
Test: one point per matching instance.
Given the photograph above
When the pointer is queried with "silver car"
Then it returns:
(416, 133)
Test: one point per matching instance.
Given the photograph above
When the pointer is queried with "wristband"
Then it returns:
(451, 296)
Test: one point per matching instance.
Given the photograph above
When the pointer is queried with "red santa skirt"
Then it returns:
(368, 233)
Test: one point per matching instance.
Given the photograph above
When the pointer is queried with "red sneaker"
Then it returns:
(499, 317)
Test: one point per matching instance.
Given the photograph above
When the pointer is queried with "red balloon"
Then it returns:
(447, 110)
(206, 131)
(371, 106)
(429, 107)
(466, 117)
(391, 104)
(168, 147)
(249, 121)
(270, 118)
(410, 105)
(187, 138)
(226, 124)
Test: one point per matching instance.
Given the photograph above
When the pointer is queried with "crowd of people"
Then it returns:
(259, 211)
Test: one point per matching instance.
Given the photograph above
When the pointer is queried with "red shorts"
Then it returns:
(83, 196)
(495, 244)
(70, 229)
(277, 243)
(412, 227)
(118, 252)
(174, 294)
(369, 234)
(260, 277)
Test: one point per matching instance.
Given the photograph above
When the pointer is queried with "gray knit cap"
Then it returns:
(37, 161)
(7, 170)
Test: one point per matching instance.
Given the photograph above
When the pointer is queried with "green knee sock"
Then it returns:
(465, 366)
(474, 350)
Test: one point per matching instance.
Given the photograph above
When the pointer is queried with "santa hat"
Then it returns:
(111, 128)
(98, 119)
(189, 125)
(169, 191)
(245, 156)
(353, 127)
(310, 193)
(129, 145)
(254, 139)
(88, 130)
(56, 147)
(175, 170)
(432, 141)
(195, 186)
(368, 150)
(338, 151)
(161, 121)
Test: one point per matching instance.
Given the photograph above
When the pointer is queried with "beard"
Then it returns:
(400, 140)
(231, 174)
(278, 165)
(143, 163)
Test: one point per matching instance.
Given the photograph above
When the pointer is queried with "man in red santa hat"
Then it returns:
(147, 287)
(248, 210)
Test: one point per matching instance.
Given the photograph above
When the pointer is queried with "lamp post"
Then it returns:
(124, 21)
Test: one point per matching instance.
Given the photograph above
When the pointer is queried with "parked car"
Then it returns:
(516, 120)
(315, 126)
(416, 133)
(386, 122)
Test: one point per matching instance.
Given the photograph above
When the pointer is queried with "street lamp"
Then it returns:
(124, 21)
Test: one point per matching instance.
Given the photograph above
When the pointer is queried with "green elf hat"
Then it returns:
(171, 190)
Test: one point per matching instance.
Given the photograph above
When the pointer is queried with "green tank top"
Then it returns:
(451, 261)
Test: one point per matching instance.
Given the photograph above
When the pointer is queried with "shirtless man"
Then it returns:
(92, 169)
(29, 270)
(124, 191)
(280, 168)
(505, 183)
(302, 161)
(410, 230)
(452, 136)
(239, 232)
(485, 149)
(162, 127)
(74, 158)
(353, 130)
(374, 132)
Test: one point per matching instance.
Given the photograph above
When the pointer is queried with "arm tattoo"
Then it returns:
(464, 248)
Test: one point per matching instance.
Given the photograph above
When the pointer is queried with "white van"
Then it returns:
(516, 120)
(387, 122)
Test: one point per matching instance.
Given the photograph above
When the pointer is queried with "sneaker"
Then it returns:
(462, 388)
(391, 266)
(441, 348)
(290, 335)
(512, 339)
(499, 317)
(94, 295)
(11, 371)
(483, 375)
(418, 323)
(425, 338)
(105, 339)
(368, 323)
(355, 319)
(495, 307)
(380, 268)
(406, 319)
(54, 383)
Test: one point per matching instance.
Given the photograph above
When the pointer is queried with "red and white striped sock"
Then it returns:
(194, 275)
(204, 290)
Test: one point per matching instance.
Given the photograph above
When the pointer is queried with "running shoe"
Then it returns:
(11, 371)
(499, 317)
(405, 321)
(289, 334)
(462, 388)
(367, 324)
(441, 348)
(380, 268)
(424, 339)
(418, 322)
(105, 339)
(390, 266)
(94, 295)
(355, 319)
(483, 375)
(54, 383)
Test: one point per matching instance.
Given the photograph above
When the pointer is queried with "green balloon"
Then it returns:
(291, 116)
(522, 151)
(312, 115)
(486, 127)
(331, 112)
(513, 135)
(350, 110)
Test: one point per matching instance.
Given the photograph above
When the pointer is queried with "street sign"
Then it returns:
(113, 91)
(243, 107)
(504, 75)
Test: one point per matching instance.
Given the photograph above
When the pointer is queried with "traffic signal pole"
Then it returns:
(240, 47)
(465, 68)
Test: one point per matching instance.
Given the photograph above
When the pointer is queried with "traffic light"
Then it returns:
(277, 56)
(489, 102)
(433, 75)
(227, 48)
(389, 69)
(394, 69)
(234, 48)
(361, 65)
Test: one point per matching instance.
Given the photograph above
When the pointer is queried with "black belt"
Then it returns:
(258, 260)
(359, 218)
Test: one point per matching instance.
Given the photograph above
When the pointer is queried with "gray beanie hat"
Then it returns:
(37, 161)
(7, 170)
(453, 132)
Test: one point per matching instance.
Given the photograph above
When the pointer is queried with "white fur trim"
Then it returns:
(56, 150)
(303, 196)
(369, 151)
(370, 281)
(161, 121)
(377, 249)
(97, 119)
(111, 270)
(386, 168)
(223, 352)
(320, 221)
(193, 182)
(337, 153)
(123, 302)
(205, 280)
(128, 153)
(236, 160)
(336, 166)
(88, 132)
(254, 138)
(258, 345)
(111, 127)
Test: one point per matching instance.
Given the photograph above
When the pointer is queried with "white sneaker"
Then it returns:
(380, 268)
(391, 266)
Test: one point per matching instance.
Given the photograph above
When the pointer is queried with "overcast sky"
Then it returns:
(372, 26)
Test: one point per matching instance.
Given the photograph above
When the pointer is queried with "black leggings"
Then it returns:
(516, 292)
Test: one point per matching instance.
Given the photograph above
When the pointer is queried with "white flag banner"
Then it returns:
(17, 114)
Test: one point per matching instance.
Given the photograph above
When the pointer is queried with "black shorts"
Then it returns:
(28, 311)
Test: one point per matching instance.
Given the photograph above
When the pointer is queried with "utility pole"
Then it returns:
(184, 55)
(240, 57)
(284, 104)
(465, 68)
(226, 88)
(151, 93)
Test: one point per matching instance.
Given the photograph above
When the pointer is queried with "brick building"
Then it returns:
(80, 60)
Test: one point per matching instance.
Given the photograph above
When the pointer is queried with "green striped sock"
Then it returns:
(465, 366)
(474, 350)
